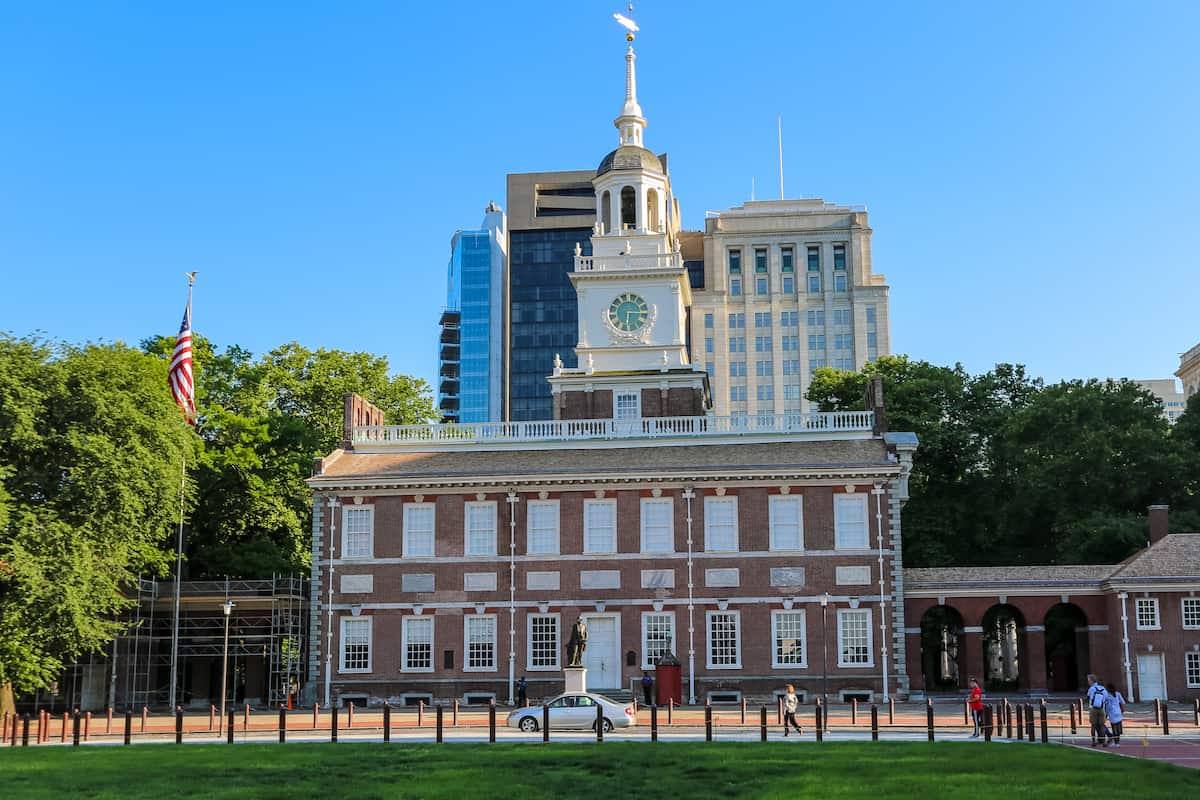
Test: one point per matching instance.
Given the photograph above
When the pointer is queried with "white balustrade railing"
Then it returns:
(592, 429)
(631, 262)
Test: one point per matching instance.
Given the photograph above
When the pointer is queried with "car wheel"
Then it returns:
(608, 726)
(529, 724)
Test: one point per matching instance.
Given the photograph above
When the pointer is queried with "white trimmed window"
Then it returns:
(854, 638)
(720, 524)
(356, 644)
(1191, 667)
(658, 632)
(658, 525)
(788, 632)
(1191, 613)
(418, 530)
(724, 639)
(541, 528)
(479, 642)
(1147, 614)
(850, 522)
(543, 642)
(627, 405)
(358, 531)
(599, 526)
(480, 533)
(787, 522)
(416, 635)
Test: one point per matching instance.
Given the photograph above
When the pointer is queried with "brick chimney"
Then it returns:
(357, 411)
(874, 402)
(1158, 523)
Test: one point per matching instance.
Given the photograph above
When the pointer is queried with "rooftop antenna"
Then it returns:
(779, 121)
(752, 190)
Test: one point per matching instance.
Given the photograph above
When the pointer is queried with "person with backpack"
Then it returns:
(1114, 708)
(1097, 695)
(976, 703)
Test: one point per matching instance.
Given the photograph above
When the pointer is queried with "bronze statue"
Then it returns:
(577, 644)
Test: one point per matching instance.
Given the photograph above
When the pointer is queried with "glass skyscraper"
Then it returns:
(470, 363)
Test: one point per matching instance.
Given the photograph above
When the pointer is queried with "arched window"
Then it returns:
(606, 211)
(628, 207)
(652, 209)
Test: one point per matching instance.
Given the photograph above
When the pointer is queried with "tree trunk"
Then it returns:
(7, 703)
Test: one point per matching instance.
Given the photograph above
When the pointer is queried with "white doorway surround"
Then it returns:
(1152, 683)
(603, 655)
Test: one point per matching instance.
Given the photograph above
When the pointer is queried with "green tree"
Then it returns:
(263, 422)
(93, 448)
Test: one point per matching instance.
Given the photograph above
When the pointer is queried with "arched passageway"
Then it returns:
(941, 643)
(1003, 647)
(1067, 657)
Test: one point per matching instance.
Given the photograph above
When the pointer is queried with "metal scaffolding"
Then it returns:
(266, 640)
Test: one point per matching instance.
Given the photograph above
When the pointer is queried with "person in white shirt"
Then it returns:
(1114, 708)
(1096, 696)
(790, 702)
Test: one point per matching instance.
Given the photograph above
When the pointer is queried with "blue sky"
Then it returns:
(1030, 168)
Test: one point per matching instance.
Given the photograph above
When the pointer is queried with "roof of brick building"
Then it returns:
(658, 458)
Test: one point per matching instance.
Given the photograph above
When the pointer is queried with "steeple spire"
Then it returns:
(630, 123)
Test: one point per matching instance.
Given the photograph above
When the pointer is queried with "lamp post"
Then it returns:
(226, 608)
(824, 662)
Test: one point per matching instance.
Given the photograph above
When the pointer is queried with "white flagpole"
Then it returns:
(179, 541)
(779, 122)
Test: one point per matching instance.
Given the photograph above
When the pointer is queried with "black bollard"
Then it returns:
(438, 734)
(333, 715)
(74, 734)
(1008, 719)
(987, 723)
(25, 731)
(762, 725)
(178, 724)
(1045, 728)
(891, 711)
(654, 722)
(229, 728)
(708, 723)
(387, 722)
(1157, 712)
(1020, 722)
(1165, 720)
(929, 718)
(1029, 722)
(128, 726)
(820, 719)
(1073, 726)
(492, 720)
(545, 723)
(282, 724)
(874, 723)
(853, 710)
(599, 723)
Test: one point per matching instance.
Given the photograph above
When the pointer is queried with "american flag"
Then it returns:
(180, 375)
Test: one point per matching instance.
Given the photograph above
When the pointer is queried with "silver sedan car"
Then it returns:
(575, 710)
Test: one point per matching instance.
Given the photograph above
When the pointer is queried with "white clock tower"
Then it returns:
(633, 290)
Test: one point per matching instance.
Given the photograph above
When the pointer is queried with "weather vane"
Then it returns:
(627, 23)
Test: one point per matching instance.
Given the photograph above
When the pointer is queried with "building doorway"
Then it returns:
(603, 655)
(1152, 684)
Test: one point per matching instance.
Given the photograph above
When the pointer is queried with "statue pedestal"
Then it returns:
(576, 679)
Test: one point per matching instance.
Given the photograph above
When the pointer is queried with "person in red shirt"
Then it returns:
(976, 704)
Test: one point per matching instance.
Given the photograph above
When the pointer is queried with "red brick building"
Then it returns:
(1043, 629)
(450, 561)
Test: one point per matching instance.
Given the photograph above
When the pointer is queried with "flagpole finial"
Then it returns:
(627, 23)
(191, 276)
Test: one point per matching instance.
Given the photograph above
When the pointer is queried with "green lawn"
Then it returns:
(675, 771)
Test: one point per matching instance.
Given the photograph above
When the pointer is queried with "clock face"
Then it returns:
(628, 312)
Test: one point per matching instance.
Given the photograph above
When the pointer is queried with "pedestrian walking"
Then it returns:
(976, 704)
(790, 701)
(522, 689)
(1097, 695)
(647, 688)
(1114, 709)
